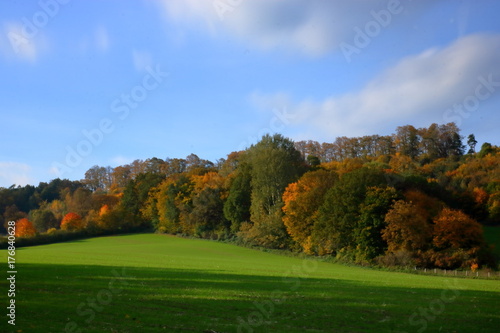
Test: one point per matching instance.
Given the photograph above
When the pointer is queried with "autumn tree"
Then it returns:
(302, 200)
(154, 165)
(12, 213)
(459, 237)
(427, 205)
(193, 162)
(452, 228)
(24, 228)
(407, 228)
(174, 166)
(204, 215)
(163, 206)
(72, 222)
(80, 201)
(119, 178)
(98, 178)
(58, 208)
(407, 141)
(104, 220)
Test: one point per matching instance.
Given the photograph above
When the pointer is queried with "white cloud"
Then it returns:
(102, 39)
(18, 42)
(313, 27)
(13, 173)
(418, 89)
(141, 59)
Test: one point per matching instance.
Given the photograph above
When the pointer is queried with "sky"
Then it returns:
(87, 83)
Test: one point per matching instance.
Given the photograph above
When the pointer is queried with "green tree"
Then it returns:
(43, 220)
(377, 203)
(275, 164)
(486, 149)
(135, 197)
(207, 214)
(237, 205)
(471, 142)
(340, 212)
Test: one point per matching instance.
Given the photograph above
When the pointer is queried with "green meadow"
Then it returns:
(160, 283)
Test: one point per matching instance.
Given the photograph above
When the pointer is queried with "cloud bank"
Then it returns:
(312, 27)
(422, 86)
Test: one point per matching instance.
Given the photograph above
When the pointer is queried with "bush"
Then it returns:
(401, 258)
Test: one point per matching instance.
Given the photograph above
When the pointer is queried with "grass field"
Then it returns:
(158, 283)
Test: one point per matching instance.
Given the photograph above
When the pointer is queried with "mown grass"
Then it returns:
(166, 284)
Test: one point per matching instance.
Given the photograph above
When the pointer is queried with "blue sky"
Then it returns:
(106, 82)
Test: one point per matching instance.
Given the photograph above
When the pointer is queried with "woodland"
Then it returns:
(418, 197)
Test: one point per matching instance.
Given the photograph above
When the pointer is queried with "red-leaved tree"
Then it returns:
(72, 221)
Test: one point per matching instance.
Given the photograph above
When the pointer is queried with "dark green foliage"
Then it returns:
(237, 205)
(339, 214)
(135, 197)
(372, 212)
(471, 142)
(486, 149)
(207, 214)
(313, 161)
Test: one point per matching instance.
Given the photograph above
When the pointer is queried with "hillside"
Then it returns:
(155, 283)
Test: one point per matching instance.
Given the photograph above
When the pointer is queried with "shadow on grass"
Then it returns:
(68, 298)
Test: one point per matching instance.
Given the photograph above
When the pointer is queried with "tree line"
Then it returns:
(411, 198)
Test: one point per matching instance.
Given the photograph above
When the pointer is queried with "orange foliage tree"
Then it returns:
(428, 206)
(103, 218)
(458, 240)
(454, 229)
(72, 221)
(25, 228)
(301, 202)
(407, 228)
